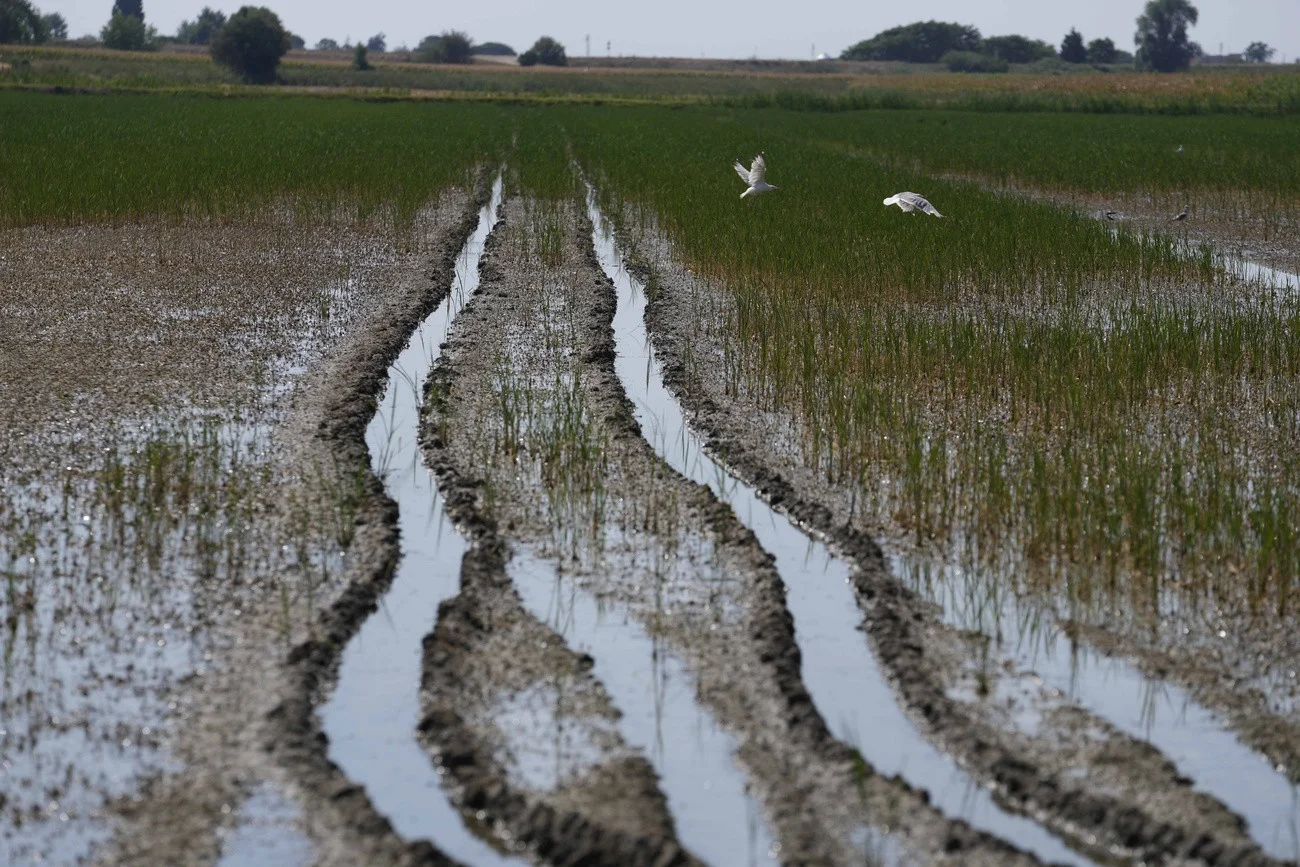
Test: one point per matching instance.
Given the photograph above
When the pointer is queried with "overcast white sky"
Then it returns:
(694, 28)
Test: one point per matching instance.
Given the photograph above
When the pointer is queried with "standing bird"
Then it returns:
(910, 202)
(1179, 149)
(754, 176)
(1177, 218)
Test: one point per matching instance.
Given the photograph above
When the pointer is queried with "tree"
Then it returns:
(20, 23)
(1161, 37)
(1258, 52)
(450, 46)
(497, 49)
(297, 42)
(921, 42)
(252, 43)
(378, 42)
(545, 51)
(134, 8)
(1102, 51)
(327, 45)
(201, 30)
(56, 26)
(1017, 49)
(128, 33)
(359, 61)
(1072, 50)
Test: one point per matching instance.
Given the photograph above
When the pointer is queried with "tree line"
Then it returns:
(251, 42)
(1161, 43)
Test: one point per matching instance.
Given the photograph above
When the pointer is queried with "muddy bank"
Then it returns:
(252, 720)
(151, 369)
(535, 347)
(1110, 794)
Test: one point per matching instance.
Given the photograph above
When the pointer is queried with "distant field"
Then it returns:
(802, 85)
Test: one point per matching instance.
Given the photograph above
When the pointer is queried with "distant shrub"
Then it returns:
(359, 61)
(201, 30)
(494, 49)
(21, 24)
(920, 42)
(378, 42)
(134, 8)
(326, 45)
(450, 46)
(56, 26)
(545, 51)
(252, 43)
(128, 33)
(973, 61)
(1102, 51)
(1017, 49)
(1072, 48)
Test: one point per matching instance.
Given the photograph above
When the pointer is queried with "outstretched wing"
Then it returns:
(742, 171)
(757, 171)
(920, 203)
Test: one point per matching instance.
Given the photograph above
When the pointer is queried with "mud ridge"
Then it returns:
(902, 626)
(292, 735)
(485, 612)
(812, 786)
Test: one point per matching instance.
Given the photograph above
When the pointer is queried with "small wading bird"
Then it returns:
(910, 202)
(1179, 217)
(754, 176)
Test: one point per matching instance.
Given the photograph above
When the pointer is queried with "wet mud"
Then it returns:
(722, 612)
(254, 717)
(1113, 796)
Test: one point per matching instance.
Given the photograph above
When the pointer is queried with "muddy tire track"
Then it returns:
(255, 718)
(815, 790)
(1139, 809)
(487, 646)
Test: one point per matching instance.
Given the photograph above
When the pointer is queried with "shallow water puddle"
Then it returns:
(1148, 710)
(268, 834)
(716, 819)
(372, 714)
(839, 670)
(103, 598)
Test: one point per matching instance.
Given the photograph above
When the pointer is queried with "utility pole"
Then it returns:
(607, 54)
(588, 38)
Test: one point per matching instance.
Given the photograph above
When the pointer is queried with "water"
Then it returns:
(268, 834)
(716, 818)
(842, 676)
(371, 716)
(1148, 710)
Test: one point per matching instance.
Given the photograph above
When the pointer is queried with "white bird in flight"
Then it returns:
(910, 202)
(754, 176)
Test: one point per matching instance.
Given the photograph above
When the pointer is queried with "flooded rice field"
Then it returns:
(475, 549)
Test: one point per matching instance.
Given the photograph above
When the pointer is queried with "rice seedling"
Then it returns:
(66, 160)
(1088, 412)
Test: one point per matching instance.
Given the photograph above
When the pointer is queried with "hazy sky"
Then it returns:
(692, 28)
